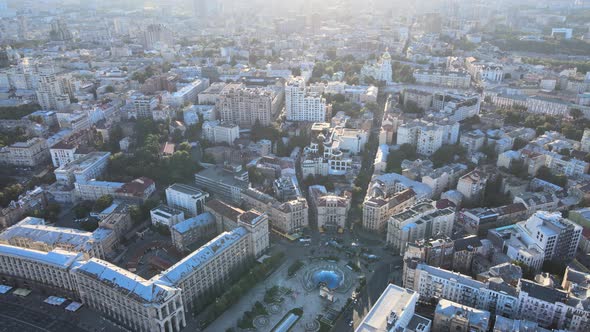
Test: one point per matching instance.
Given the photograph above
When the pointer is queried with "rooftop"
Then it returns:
(224, 209)
(185, 189)
(179, 271)
(126, 282)
(194, 222)
(394, 299)
(34, 229)
(57, 257)
(84, 162)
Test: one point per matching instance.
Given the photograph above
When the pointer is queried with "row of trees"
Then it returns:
(17, 112)
(241, 287)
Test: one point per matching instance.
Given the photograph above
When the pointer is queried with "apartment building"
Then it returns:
(472, 186)
(62, 153)
(93, 190)
(291, 216)
(434, 283)
(256, 223)
(51, 94)
(245, 106)
(456, 106)
(226, 132)
(484, 71)
(117, 219)
(187, 94)
(31, 153)
(420, 221)
(31, 200)
(451, 316)
(568, 166)
(302, 105)
(545, 236)
(434, 252)
(285, 217)
(473, 140)
(478, 221)
(585, 141)
(549, 106)
(83, 169)
(186, 198)
(428, 136)
(226, 215)
(210, 95)
(388, 184)
(547, 306)
(378, 209)
(444, 178)
(448, 79)
(422, 99)
(142, 105)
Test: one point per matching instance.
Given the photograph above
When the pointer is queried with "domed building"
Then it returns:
(381, 70)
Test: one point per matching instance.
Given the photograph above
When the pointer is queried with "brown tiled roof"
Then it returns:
(136, 187)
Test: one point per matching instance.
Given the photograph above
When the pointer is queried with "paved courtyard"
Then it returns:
(301, 294)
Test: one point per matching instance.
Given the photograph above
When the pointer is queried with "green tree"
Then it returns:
(103, 202)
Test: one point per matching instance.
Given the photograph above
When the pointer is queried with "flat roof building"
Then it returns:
(394, 311)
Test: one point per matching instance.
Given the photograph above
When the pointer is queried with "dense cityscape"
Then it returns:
(260, 165)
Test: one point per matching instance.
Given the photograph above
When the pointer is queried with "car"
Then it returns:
(351, 323)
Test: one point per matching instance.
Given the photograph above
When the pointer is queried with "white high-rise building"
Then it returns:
(50, 93)
(586, 141)
(301, 105)
(186, 198)
(428, 137)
